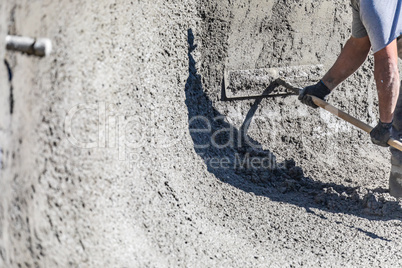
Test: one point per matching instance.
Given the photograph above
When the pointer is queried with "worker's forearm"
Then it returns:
(387, 80)
(351, 58)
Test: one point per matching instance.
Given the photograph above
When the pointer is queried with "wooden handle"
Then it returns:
(354, 121)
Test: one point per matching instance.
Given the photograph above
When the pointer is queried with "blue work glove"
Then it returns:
(381, 133)
(319, 90)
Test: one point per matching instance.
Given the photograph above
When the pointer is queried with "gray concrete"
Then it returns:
(103, 162)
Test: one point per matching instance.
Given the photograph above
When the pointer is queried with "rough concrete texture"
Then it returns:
(117, 151)
(267, 81)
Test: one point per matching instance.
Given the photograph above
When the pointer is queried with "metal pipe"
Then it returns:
(40, 47)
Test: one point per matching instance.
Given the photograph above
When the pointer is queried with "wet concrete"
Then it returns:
(120, 150)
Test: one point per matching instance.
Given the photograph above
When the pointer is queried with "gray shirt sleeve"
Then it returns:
(381, 20)
(358, 29)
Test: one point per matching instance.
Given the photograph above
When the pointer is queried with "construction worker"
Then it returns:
(376, 25)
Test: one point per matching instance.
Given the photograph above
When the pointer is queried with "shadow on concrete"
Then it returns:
(237, 159)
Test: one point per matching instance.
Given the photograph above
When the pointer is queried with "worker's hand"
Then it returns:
(319, 90)
(381, 134)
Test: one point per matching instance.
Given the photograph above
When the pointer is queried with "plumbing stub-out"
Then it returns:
(40, 47)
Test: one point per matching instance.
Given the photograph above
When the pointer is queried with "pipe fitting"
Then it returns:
(40, 47)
